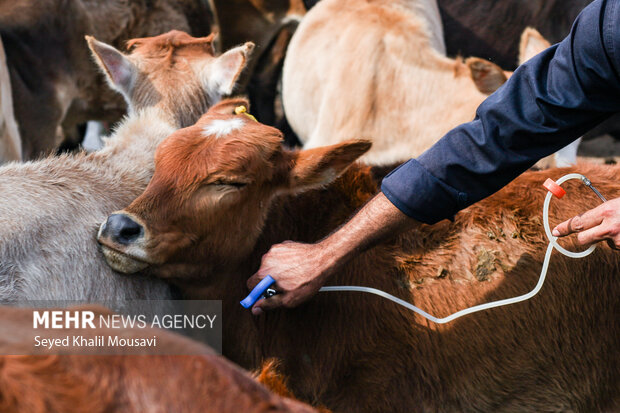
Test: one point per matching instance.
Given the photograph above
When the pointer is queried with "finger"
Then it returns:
(593, 235)
(301, 295)
(267, 304)
(255, 279)
(582, 222)
(563, 229)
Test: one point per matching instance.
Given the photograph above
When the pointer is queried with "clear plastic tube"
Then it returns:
(552, 239)
(541, 280)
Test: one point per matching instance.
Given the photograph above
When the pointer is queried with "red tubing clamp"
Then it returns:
(554, 188)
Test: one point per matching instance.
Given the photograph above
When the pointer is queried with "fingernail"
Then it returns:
(257, 311)
(555, 232)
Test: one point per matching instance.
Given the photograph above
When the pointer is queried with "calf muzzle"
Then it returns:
(121, 229)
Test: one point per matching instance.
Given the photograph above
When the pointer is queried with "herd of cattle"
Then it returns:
(186, 195)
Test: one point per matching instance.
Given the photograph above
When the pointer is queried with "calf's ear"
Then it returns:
(532, 43)
(219, 76)
(317, 167)
(120, 72)
(487, 76)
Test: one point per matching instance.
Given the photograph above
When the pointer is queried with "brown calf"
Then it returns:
(224, 191)
(203, 382)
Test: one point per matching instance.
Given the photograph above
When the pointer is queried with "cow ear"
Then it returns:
(225, 71)
(119, 71)
(317, 167)
(487, 76)
(532, 43)
(228, 106)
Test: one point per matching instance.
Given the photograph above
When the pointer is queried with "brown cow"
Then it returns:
(200, 382)
(55, 84)
(224, 191)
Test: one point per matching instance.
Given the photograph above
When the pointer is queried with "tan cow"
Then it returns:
(224, 191)
(50, 208)
(358, 68)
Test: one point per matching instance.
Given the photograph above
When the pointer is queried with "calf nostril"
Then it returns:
(130, 232)
(122, 229)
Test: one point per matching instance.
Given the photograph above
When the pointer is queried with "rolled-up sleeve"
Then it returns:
(547, 103)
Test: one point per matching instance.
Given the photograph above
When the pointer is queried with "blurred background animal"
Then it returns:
(490, 29)
(378, 70)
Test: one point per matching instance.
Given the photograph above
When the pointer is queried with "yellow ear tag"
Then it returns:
(243, 110)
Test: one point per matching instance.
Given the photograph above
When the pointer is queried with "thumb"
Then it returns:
(267, 304)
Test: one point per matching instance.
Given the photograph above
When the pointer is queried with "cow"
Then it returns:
(183, 376)
(50, 208)
(55, 85)
(377, 69)
(224, 191)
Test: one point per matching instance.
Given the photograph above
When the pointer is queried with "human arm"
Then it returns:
(302, 269)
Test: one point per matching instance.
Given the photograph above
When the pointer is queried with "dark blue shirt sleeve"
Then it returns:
(548, 102)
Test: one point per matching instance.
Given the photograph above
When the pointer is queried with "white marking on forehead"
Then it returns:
(222, 127)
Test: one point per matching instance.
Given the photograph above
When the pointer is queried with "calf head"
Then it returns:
(209, 197)
(174, 71)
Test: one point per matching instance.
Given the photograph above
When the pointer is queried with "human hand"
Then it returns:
(300, 270)
(598, 224)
